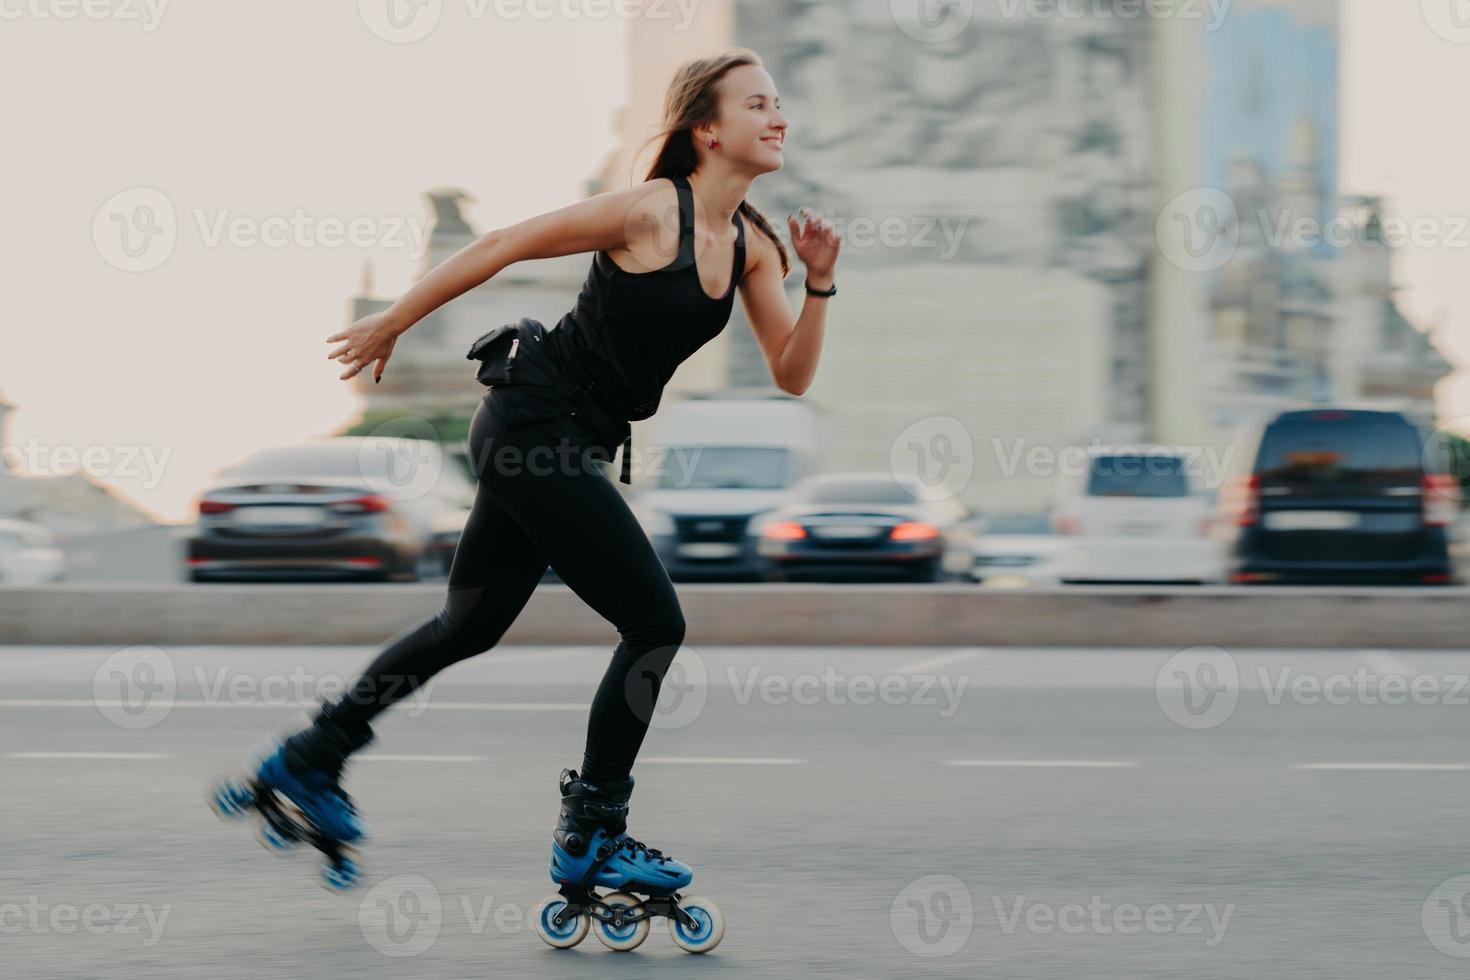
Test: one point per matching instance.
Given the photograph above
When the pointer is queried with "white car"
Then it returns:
(1136, 515)
(29, 555)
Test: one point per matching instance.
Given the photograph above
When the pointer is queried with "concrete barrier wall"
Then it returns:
(727, 615)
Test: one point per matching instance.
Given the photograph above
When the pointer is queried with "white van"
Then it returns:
(1137, 514)
(720, 459)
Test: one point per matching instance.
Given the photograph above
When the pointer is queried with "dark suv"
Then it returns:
(1341, 496)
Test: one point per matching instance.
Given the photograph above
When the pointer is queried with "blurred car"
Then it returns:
(1340, 496)
(725, 458)
(845, 526)
(1134, 515)
(29, 554)
(347, 507)
(1017, 549)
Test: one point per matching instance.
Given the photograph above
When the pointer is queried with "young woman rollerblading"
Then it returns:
(670, 254)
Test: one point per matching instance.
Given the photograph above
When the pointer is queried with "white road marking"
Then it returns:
(1042, 763)
(712, 760)
(298, 705)
(112, 755)
(1386, 766)
(385, 757)
(930, 664)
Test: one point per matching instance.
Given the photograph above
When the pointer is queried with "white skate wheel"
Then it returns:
(563, 936)
(625, 937)
(711, 926)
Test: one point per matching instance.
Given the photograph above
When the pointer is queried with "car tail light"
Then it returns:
(784, 531)
(370, 504)
(207, 506)
(1241, 500)
(1066, 524)
(914, 531)
(1441, 499)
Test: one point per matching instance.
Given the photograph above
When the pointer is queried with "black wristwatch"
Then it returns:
(817, 292)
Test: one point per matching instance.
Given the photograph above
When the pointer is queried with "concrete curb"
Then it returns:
(765, 615)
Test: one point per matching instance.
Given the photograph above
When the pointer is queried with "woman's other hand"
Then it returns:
(366, 341)
(816, 244)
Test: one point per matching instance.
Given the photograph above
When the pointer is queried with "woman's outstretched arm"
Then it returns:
(599, 222)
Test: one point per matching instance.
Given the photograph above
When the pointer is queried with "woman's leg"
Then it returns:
(495, 570)
(575, 516)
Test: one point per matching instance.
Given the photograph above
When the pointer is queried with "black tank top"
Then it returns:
(629, 330)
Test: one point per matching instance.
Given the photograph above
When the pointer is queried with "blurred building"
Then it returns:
(69, 505)
(1298, 305)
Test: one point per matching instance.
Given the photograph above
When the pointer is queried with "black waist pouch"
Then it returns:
(515, 354)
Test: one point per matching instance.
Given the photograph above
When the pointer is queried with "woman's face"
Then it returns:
(751, 127)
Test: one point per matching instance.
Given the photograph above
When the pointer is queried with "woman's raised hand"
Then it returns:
(816, 243)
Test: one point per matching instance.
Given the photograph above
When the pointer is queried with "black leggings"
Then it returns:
(543, 497)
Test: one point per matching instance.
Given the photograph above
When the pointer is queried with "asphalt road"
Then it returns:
(855, 813)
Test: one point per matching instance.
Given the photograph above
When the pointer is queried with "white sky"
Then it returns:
(260, 109)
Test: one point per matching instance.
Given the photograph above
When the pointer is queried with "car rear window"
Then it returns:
(1137, 475)
(1337, 449)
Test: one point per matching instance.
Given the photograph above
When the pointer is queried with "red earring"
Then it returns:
(713, 143)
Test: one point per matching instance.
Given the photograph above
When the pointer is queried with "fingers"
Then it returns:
(339, 351)
(814, 229)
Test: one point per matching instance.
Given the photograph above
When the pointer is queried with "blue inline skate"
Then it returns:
(591, 849)
(297, 792)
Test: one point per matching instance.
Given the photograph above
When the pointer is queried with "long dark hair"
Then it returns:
(691, 101)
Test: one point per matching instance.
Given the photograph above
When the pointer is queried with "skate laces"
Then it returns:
(636, 848)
